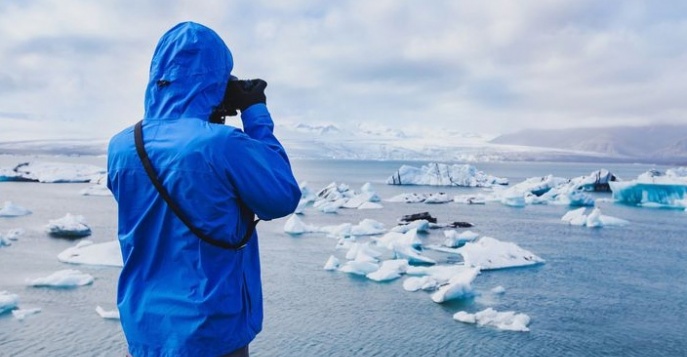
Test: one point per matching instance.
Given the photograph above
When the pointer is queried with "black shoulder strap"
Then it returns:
(138, 138)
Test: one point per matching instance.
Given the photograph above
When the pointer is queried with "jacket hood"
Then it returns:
(188, 74)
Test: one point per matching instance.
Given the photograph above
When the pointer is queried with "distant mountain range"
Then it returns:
(656, 144)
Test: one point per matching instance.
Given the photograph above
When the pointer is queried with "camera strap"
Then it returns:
(140, 149)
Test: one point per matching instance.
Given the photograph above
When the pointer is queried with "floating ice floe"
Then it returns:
(295, 226)
(108, 315)
(88, 253)
(99, 189)
(408, 198)
(389, 270)
(8, 301)
(455, 239)
(507, 320)
(489, 253)
(654, 189)
(459, 286)
(69, 226)
(307, 197)
(52, 172)
(440, 197)
(339, 195)
(11, 210)
(368, 227)
(420, 225)
(11, 235)
(594, 219)
(498, 290)
(66, 278)
(436, 174)
(429, 278)
(332, 263)
(20, 314)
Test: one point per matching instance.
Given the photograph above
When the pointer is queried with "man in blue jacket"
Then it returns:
(179, 295)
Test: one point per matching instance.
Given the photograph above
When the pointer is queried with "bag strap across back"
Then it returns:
(140, 149)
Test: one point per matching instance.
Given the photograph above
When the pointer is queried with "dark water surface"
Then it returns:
(614, 291)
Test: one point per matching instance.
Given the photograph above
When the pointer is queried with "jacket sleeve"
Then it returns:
(260, 169)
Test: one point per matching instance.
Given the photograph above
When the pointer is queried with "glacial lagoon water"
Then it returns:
(613, 291)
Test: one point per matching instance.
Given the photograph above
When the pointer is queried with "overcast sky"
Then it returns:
(72, 68)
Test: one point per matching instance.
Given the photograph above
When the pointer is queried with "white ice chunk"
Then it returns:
(594, 219)
(8, 301)
(88, 253)
(53, 172)
(69, 226)
(389, 270)
(368, 227)
(574, 215)
(456, 239)
(507, 320)
(408, 198)
(62, 279)
(458, 287)
(359, 267)
(108, 315)
(420, 225)
(489, 253)
(393, 239)
(498, 290)
(340, 231)
(12, 210)
(295, 226)
(415, 283)
(370, 205)
(20, 314)
(436, 198)
(332, 263)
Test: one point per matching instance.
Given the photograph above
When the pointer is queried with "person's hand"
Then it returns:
(241, 94)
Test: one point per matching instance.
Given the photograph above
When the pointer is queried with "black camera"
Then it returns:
(239, 95)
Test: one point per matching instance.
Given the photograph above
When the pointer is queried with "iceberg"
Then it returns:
(430, 278)
(88, 253)
(458, 287)
(436, 174)
(20, 314)
(8, 301)
(507, 320)
(52, 172)
(12, 210)
(368, 227)
(408, 198)
(489, 253)
(454, 239)
(66, 278)
(389, 270)
(594, 219)
(108, 315)
(359, 267)
(295, 226)
(420, 225)
(653, 189)
(440, 197)
(332, 263)
(69, 226)
(99, 189)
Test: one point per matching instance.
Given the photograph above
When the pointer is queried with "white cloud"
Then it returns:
(484, 67)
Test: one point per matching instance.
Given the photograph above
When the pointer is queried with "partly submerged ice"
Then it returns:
(436, 174)
(489, 253)
(20, 314)
(8, 301)
(12, 210)
(88, 253)
(594, 219)
(107, 314)
(51, 172)
(506, 320)
(66, 278)
(69, 226)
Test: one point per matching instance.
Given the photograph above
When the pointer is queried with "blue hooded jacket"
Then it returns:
(178, 295)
